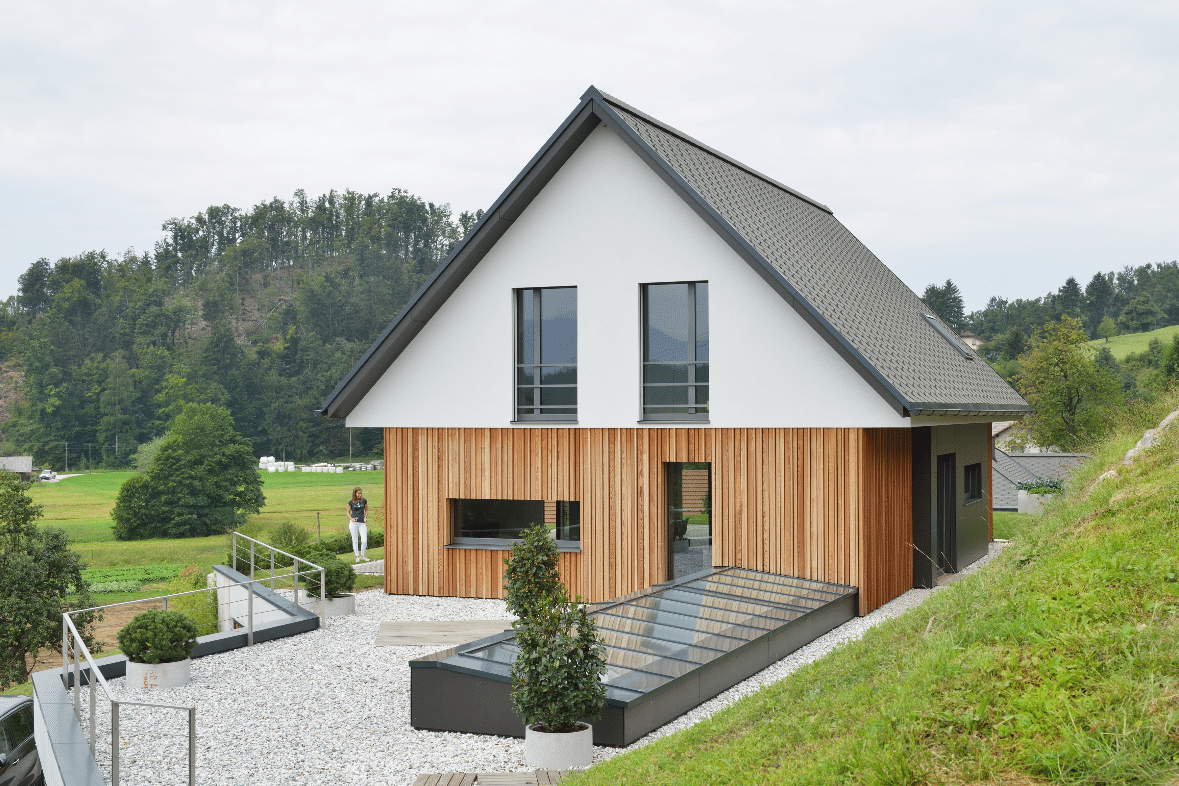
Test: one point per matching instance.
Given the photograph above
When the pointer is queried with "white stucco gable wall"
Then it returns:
(606, 224)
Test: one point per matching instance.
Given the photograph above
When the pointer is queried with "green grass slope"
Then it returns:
(1121, 346)
(1058, 663)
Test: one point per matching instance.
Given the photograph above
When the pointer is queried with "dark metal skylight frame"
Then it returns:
(668, 649)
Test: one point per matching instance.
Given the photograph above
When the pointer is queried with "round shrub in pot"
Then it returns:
(158, 646)
(338, 575)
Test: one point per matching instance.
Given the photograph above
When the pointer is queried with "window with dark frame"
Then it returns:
(488, 521)
(546, 354)
(972, 481)
(675, 351)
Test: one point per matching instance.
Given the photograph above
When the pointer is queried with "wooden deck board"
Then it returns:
(442, 633)
(538, 778)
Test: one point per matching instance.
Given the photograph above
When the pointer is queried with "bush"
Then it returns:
(1041, 486)
(338, 575)
(158, 637)
(557, 676)
(290, 537)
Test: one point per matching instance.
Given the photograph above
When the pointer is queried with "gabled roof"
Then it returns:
(875, 322)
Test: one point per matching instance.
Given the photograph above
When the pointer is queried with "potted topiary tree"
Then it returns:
(339, 578)
(158, 646)
(557, 675)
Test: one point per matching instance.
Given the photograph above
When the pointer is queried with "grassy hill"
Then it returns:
(1121, 346)
(1057, 663)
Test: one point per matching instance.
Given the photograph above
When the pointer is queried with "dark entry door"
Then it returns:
(689, 518)
(947, 514)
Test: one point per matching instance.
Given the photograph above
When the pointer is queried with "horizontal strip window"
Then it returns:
(499, 544)
(479, 522)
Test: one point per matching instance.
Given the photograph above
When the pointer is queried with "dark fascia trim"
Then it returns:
(469, 251)
(594, 93)
(737, 241)
(977, 411)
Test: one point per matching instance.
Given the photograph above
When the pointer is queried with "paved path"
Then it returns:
(538, 778)
(376, 567)
(447, 633)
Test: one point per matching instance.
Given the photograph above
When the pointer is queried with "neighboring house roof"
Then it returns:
(1013, 468)
(875, 322)
(17, 463)
(999, 426)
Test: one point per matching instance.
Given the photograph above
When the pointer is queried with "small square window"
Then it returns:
(972, 480)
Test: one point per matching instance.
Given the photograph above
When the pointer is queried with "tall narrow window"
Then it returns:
(675, 351)
(546, 354)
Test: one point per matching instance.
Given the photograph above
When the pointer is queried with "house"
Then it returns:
(971, 340)
(634, 310)
(1011, 469)
(21, 465)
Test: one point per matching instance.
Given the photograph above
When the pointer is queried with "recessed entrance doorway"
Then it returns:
(689, 518)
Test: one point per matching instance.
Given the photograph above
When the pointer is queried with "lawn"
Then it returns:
(81, 506)
(1008, 525)
(1121, 346)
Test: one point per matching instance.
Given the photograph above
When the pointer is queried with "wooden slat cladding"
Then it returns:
(816, 503)
(886, 495)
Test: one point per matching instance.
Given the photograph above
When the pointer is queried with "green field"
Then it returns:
(81, 506)
(1121, 346)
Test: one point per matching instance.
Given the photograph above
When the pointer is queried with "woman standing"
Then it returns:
(357, 523)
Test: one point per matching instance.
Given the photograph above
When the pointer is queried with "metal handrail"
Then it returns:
(323, 616)
(96, 677)
(67, 625)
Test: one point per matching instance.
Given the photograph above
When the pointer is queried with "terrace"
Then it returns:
(331, 705)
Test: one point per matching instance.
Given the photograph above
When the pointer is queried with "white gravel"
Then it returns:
(331, 707)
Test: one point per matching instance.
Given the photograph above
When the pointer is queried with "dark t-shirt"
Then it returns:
(357, 509)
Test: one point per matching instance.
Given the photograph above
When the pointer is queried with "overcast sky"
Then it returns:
(1004, 144)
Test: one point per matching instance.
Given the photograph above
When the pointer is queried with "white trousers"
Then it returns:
(360, 529)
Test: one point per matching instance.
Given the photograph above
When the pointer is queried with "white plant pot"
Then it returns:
(340, 606)
(547, 751)
(158, 675)
(1031, 503)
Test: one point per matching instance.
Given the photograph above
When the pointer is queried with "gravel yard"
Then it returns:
(330, 707)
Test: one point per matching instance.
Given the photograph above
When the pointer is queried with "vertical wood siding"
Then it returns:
(829, 504)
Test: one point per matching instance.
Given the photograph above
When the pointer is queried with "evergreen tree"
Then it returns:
(946, 303)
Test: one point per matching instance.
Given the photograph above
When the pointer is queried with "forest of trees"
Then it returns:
(261, 311)
(1135, 300)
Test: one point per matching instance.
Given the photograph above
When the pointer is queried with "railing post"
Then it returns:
(93, 714)
(192, 746)
(323, 615)
(77, 680)
(65, 663)
(251, 559)
(250, 616)
(295, 562)
(272, 568)
(114, 743)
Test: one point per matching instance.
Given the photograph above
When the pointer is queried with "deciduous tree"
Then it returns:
(1068, 391)
(39, 579)
(204, 481)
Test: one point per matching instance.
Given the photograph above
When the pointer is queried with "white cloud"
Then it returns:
(1004, 144)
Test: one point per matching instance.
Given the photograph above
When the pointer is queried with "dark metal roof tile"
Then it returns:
(844, 281)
